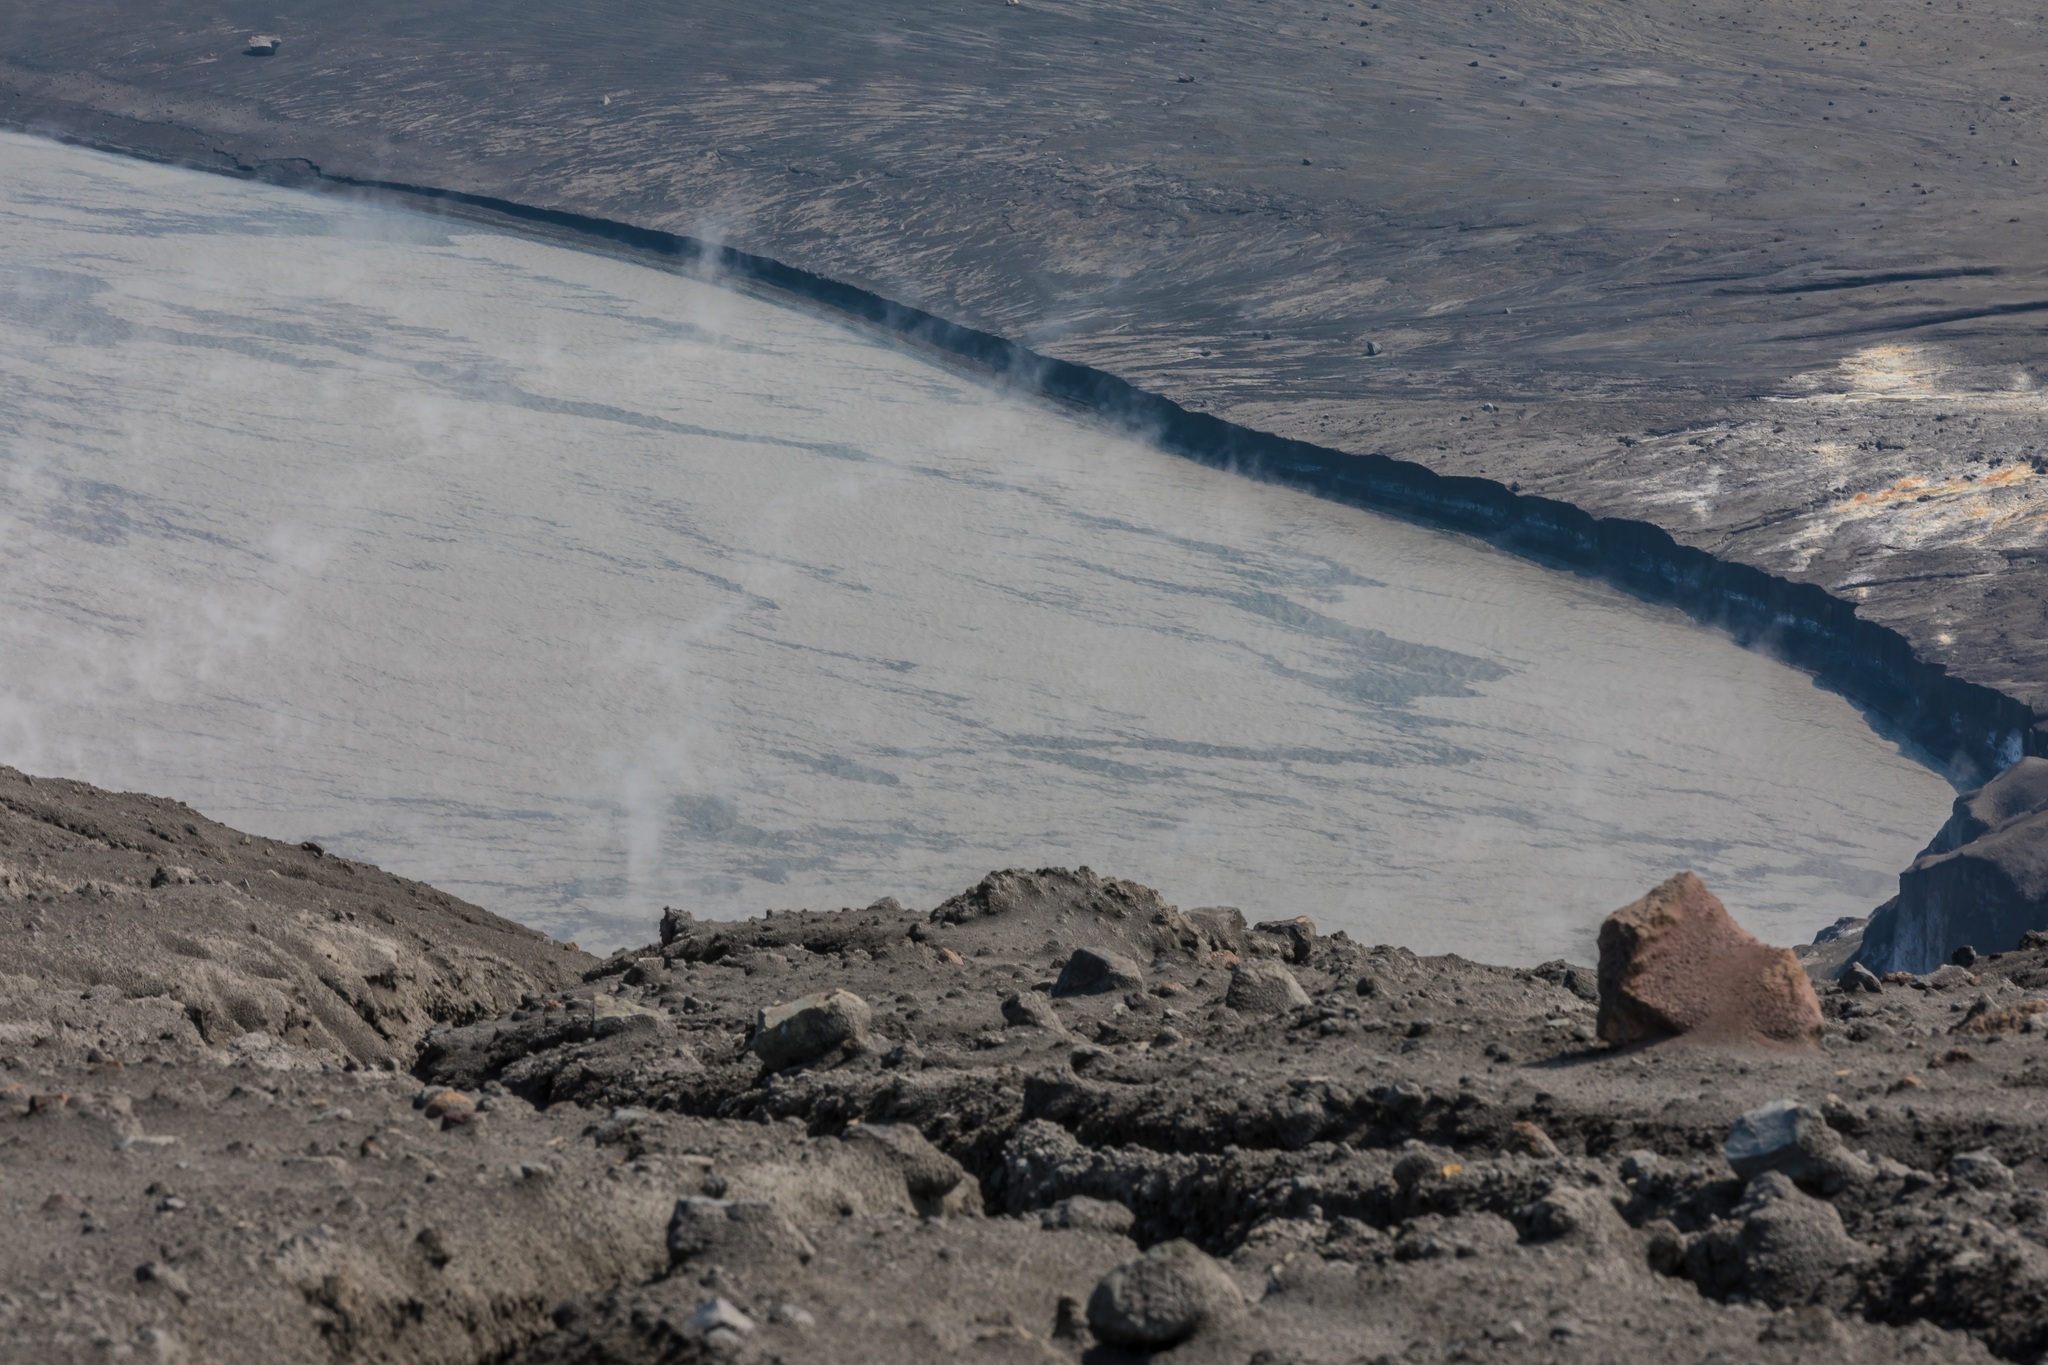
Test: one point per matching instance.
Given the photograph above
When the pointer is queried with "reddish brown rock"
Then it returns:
(1674, 963)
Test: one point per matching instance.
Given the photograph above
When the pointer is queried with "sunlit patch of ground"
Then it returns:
(1995, 501)
(1907, 372)
(1999, 507)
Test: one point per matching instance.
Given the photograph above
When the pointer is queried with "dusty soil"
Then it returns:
(1414, 1159)
(1770, 279)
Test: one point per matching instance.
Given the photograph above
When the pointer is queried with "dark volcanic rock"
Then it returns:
(1076, 908)
(1982, 882)
(1029, 1009)
(1089, 972)
(1780, 1246)
(1050, 893)
(1162, 1298)
(1675, 963)
(1295, 938)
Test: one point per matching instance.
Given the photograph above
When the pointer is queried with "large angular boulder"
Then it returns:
(1983, 881)
(808, 1027)
(1675, 963)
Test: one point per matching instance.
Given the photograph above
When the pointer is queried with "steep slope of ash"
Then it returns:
(173, 934)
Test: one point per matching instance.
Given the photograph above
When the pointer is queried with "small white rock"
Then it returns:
(718, 1315)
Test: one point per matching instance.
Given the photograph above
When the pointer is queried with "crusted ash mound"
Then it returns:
(1055, 1118)
(140, 923)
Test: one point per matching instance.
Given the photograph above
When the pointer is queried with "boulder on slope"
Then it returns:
(1163, 1297)
(1092, 972)
(1794, 1139)
(808, 1027)
(1077, 906)
(1258, 987)
(1675, 963)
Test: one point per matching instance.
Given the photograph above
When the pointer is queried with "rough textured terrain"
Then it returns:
(1053, 1118)
(1771, 278)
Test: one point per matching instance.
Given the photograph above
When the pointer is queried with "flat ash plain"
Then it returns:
(1771, 279)
(258, 1103)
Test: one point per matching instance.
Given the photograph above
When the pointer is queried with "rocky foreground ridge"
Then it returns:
(258, 1103)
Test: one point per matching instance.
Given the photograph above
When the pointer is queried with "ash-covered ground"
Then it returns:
(264, 1104)
(1769, 278)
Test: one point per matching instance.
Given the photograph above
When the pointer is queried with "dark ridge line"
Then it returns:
(1971, 730)
(1822, 286)
(1995, 310)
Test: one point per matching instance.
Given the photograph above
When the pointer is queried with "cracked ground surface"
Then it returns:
(1415, 1159)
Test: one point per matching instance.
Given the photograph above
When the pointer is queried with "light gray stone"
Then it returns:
(1980, 1168)
(1264, 987)
(717, 1315)
(1949, 977)
(1795, 1139)
(808, 1027)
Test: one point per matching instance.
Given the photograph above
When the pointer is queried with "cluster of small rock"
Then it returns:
(1054, 1117)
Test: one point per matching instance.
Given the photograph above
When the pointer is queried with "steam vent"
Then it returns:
(1266, 685)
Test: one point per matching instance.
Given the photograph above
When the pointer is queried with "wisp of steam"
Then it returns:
(580, 588)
